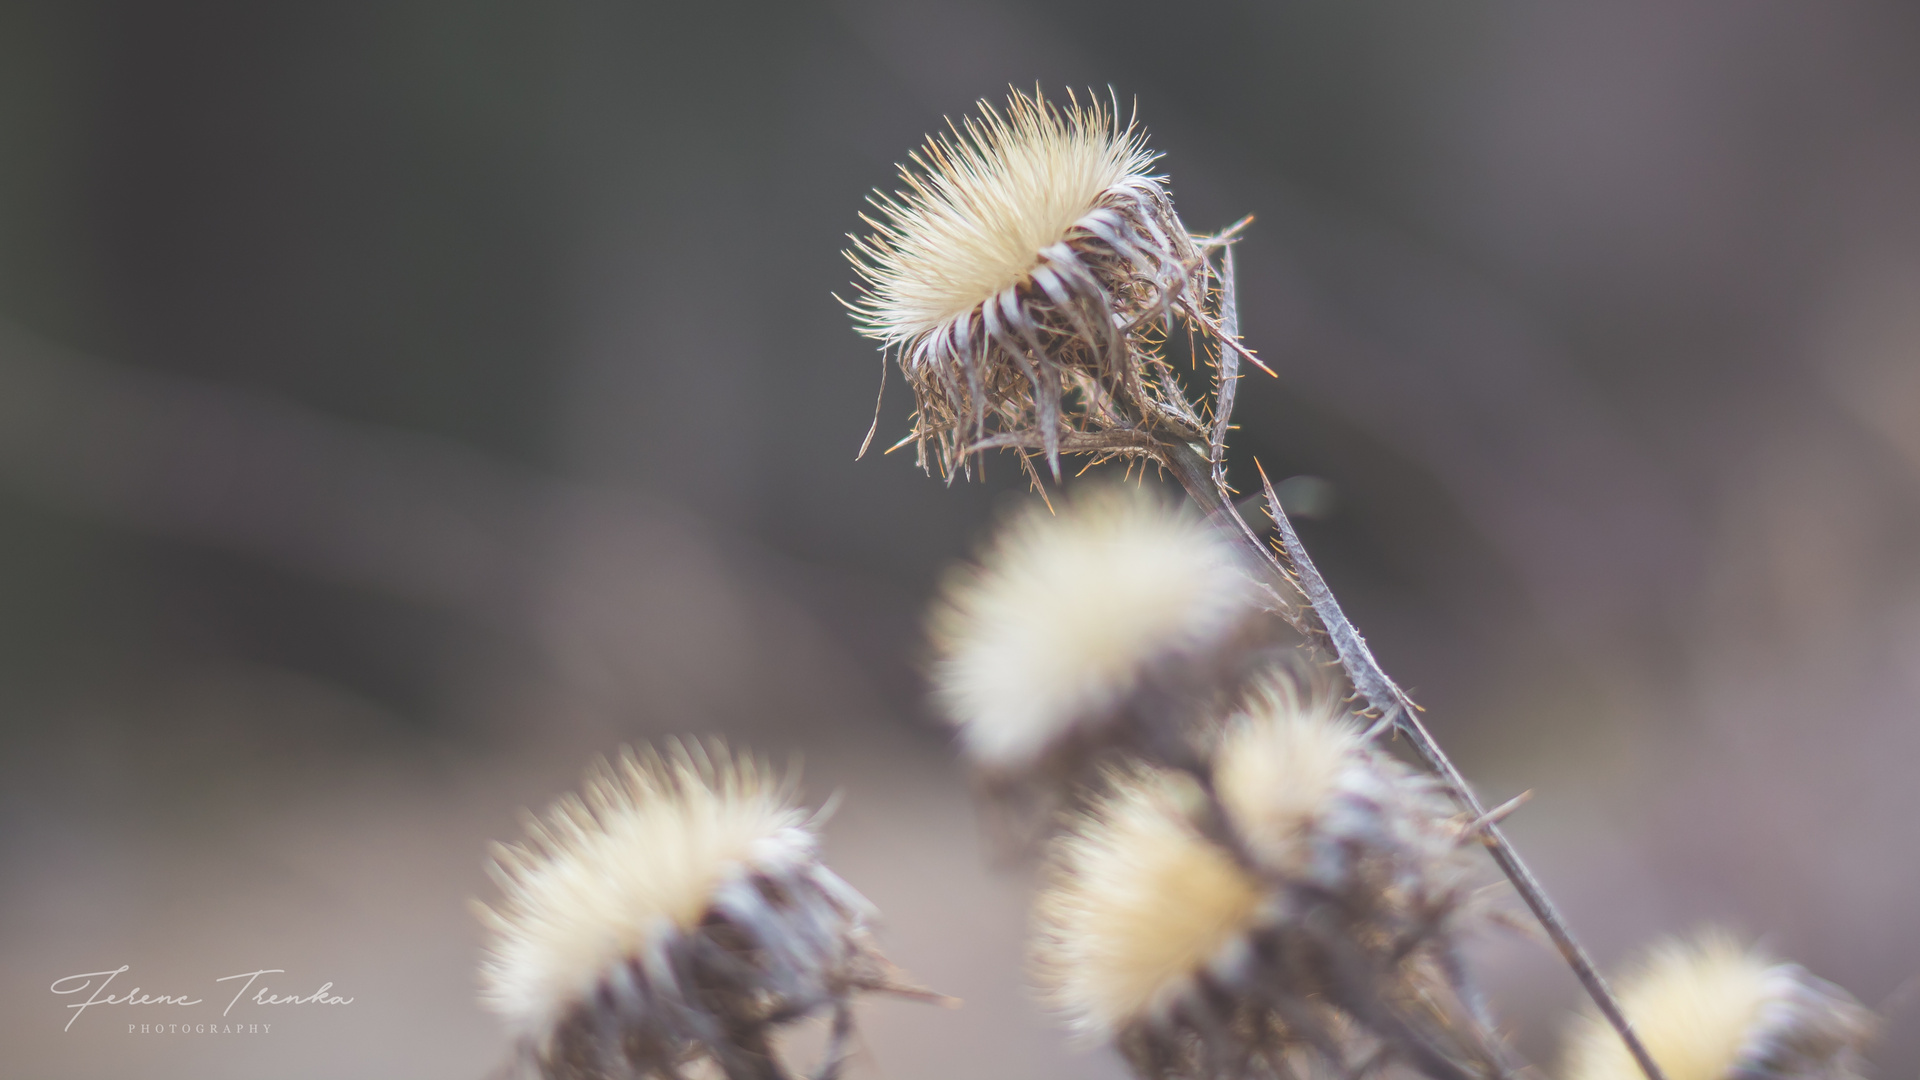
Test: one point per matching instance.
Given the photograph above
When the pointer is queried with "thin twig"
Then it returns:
(1224, 236)
(1205, 483)
(1390, 701)
(1184, 461)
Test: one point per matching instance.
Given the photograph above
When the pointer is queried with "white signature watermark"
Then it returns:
(97, 985)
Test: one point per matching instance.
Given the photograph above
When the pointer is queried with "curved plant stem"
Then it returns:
(1197, 475)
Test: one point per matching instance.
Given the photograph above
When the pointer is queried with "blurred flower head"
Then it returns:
(1372, 877)
(676, 907)
(1319, 806)
(1067, 616)
(1153, 934)
(1140, 908)
(1713, 1009)
(1016, 276)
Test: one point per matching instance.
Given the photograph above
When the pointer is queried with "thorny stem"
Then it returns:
(1196, 474)
(1217, 826)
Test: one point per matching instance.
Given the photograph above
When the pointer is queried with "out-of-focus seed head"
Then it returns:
(1017, 276)
(1713, 1009)
(1302, 920)
(1370, 877)
(1138, 908)
(675, 909)
(1067, 616)
(1278, 770)
(1318, 805)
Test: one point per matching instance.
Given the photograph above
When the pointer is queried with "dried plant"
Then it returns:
(1198, 963)
(1295, 903)
(1246, 883)
(1072, 624)
(675, 912)
(1142, 914)
(1026, 278)
(1370, 870)
(1258, 894)
(1711, 1008)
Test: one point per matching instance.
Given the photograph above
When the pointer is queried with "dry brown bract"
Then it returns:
(1026, 278)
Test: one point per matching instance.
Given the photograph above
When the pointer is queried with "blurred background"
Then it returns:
(402, 402)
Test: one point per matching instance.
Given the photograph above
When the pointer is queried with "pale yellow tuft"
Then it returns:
(1692, 1005)
(980, 206)
(609, 878)
(1026, 278)
(1713, 1009)
(1065, 613)
(1279, 767)
(1139, 904)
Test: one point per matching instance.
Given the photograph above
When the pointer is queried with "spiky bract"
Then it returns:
(1019, 277)
(674, 909)
(1713, 1009)
(1066, 615)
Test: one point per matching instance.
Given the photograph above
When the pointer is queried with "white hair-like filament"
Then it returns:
(981, 204)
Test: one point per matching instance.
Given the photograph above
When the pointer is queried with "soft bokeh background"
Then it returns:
(402, 401)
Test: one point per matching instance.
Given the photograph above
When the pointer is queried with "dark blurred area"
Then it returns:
(402, 402)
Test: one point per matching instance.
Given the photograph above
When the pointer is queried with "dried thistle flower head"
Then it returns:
(1140, 909)
(1281, 767)
(1371, 874)
(1302, 917)
(1713, 1009)
(676, 908)
(1316, 804)
(1067, 616)
(1018, 276)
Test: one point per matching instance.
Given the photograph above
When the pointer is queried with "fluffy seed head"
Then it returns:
(1025, 277)
(1713, 1009)
(1316, 804)
(1371, 876)
(1279, 767)
(613, 881)
(1065, 616)
(980, 205)
(1138, 906)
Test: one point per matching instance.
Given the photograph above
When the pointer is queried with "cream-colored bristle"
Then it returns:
(606, 879)
(981, 204)
(1713, 1009)
(1278, 766)
(1065, 612)
(1139, 903)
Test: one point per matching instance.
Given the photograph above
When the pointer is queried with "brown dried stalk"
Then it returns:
(1204, 480)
